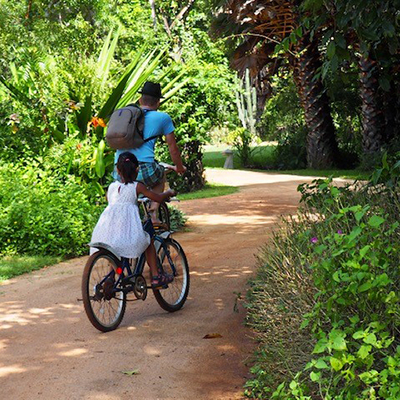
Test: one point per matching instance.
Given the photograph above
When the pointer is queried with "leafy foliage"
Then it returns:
(65, 65)
(339, 260)
(44, 214)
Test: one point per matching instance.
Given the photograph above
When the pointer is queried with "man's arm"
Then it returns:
(157, 197)
(175, 153)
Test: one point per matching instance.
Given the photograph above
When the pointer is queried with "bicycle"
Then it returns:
(163, 213)
(107, 280)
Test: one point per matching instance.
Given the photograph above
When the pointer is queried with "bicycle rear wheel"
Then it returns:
(174, 296)
(104, 306)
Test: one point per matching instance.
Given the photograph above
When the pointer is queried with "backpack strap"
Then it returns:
(154, 136)
(151, 138)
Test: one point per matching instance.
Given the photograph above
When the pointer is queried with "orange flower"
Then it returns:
(96, 121)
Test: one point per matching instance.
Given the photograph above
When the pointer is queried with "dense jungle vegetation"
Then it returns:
(65, 65)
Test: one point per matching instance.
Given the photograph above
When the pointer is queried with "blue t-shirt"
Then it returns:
(155, 123)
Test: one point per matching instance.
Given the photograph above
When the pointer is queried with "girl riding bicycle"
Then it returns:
(119, 226)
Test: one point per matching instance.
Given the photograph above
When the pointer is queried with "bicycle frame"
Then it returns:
(139, 266)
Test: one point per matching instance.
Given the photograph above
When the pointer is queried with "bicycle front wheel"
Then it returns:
(174, 296)
(104, 306)
(164, 216)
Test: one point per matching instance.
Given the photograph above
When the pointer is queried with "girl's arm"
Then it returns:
(157, 197)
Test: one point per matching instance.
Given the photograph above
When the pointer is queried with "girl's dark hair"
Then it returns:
(127, 165)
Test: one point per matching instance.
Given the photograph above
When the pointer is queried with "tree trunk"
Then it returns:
(390, 113)
(153, 13)
(372, 118)
(322, 149)
(395, 139)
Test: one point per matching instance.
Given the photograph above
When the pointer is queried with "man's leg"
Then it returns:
(158, 188)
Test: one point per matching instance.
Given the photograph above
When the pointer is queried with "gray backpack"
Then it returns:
(125, 128)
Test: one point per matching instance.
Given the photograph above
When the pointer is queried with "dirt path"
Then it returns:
(49, 350)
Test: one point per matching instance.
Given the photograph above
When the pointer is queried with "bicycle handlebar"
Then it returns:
(146, 199)
(168, 167)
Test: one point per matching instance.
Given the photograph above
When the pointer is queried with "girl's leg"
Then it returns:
(151, 258)
(157, 278)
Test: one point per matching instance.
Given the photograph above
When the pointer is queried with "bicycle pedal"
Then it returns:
(158, 287)
(160, 226)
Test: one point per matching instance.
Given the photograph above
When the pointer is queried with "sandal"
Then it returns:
(161, 280)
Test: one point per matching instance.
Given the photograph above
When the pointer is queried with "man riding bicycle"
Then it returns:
(156, 123)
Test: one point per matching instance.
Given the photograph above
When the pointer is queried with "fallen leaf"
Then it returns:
(131, 373)
(212, 336)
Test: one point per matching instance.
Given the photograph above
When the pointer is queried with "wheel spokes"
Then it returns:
(106, 305)
(176, 289)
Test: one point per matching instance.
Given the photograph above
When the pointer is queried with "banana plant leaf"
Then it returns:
(101, 61)
(115, 101)
(106, 56)
(173, 91)
(140, 76)
(115, 96)
(99, 166)
(58, 135)
(172, 83)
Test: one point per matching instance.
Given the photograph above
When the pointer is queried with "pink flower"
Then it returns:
(314, 240)
(340, 232)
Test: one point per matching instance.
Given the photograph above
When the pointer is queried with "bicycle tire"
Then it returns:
(174, 296)
(97, 267)
(164, 216)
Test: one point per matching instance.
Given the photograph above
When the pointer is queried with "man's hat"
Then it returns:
(152, 89)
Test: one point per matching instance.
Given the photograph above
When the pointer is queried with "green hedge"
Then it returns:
(44, 213)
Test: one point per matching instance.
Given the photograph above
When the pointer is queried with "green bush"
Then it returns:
(43, 213)
(241, 140)
(193, 179)
(177, 217)
(290, 153)
(328, 289)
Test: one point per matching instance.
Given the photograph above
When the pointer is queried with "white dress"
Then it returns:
(119, 227)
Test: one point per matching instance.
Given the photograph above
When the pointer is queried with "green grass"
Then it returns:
(210, 190)
(213, 158)
(11, 266)
(335, 173)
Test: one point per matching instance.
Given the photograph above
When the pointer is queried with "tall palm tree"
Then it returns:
(372, 121)
(322, 149)
(263, 25)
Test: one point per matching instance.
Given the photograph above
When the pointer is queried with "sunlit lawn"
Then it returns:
(209, 190)
(213, 157)
(263, 155)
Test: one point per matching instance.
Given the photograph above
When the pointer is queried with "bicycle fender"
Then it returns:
(106, 247)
